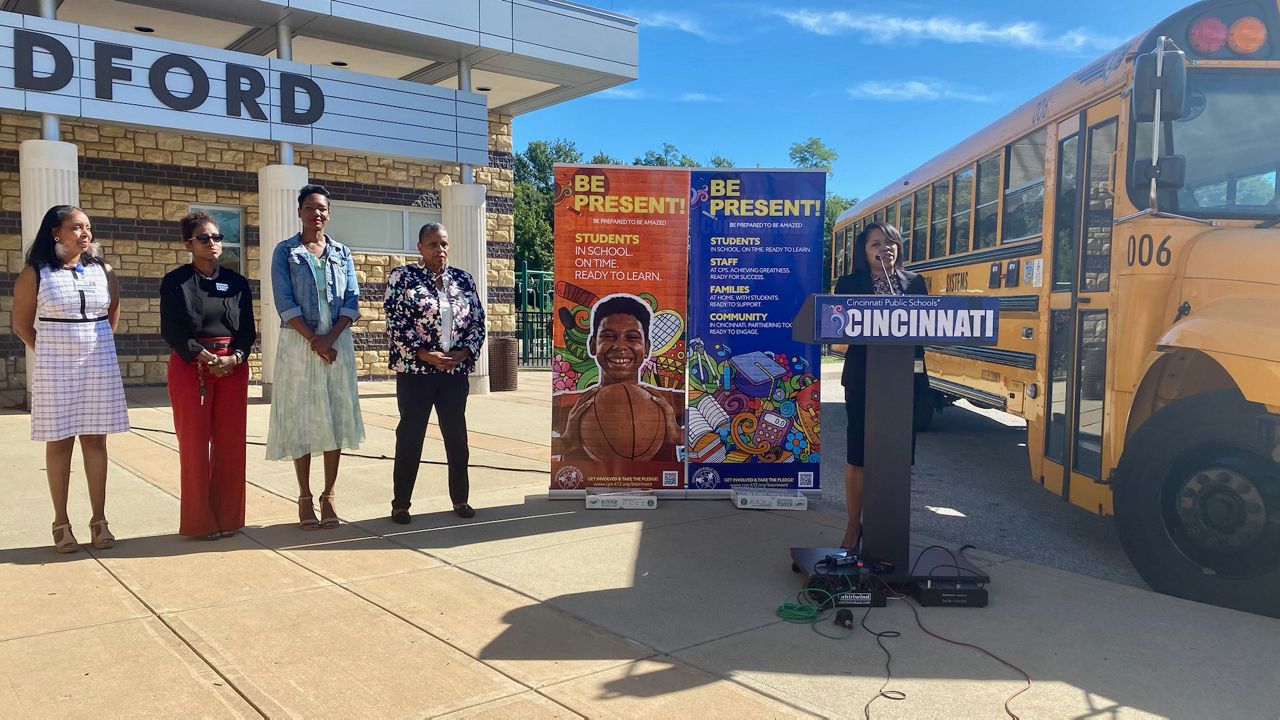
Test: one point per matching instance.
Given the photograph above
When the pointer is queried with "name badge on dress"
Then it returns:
(84, 284)
(221, 287)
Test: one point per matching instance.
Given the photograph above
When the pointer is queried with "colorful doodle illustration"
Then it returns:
(755, 407)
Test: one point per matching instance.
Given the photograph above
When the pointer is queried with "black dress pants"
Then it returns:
(416, 395)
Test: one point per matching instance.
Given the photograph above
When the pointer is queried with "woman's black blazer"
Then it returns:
(859, 283)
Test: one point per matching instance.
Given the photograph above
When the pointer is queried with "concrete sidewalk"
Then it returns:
(539, 608)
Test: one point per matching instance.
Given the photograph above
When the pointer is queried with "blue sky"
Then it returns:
(886, 84)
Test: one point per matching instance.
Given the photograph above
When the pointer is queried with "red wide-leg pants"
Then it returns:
(211, 446)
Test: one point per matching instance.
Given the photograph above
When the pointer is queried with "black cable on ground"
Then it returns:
(984, 651)
(888, 660)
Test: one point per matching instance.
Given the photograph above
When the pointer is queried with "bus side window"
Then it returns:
(1024, 188)
(988, 203)
(920, 230)
(904, 227)
(938, 216)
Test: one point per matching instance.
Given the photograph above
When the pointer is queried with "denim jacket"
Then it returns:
(293, 283)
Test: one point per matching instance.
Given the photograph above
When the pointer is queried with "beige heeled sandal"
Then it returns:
(307, 523)
(328, 523)
(63, 540)
(99, 534)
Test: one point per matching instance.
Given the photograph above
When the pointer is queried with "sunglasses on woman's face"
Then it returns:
(206, 238)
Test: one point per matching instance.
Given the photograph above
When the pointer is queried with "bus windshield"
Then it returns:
(1228, 135)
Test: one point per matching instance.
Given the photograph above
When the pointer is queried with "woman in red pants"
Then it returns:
(206, 316)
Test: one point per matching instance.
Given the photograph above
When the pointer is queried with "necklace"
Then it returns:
(210, 276)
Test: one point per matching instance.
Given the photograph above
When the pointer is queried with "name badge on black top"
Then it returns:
(221, 287)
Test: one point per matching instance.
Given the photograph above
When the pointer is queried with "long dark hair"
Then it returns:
(43, 252)
(860, 246)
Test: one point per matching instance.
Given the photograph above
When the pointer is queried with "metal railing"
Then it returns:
(534, 306)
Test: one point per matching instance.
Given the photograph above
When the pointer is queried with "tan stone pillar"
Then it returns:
(278, 187)
(49, 174)
(463, 215)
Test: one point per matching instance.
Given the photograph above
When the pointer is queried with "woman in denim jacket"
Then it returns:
(315, 407)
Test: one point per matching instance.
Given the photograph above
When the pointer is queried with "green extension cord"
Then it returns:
(801, 612)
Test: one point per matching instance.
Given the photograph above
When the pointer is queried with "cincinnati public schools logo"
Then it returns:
(706, 479)
(569, 478)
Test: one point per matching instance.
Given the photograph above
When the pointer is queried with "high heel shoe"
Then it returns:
(100, 535)
(63, 541)
(307, 523)
(330, 522)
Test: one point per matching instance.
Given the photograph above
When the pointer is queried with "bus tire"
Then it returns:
(1197, 503)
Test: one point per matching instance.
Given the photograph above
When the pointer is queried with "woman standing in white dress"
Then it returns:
(315, 404)
(66, 302)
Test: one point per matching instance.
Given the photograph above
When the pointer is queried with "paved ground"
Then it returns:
(539, 608)
(971, 485)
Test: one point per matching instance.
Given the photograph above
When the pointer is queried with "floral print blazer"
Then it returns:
(412, 306)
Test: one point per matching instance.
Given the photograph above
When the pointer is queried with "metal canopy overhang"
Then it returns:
(533, 53)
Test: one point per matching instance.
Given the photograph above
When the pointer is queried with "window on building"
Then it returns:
(1024, 188)
(230, 222)
(986, 214)
(961, 201)
(378, 228)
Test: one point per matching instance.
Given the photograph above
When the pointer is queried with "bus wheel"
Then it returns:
(1197, 503)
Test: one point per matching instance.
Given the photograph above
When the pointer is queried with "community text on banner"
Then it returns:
(754, 397)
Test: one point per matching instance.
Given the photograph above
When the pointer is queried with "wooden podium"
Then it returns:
(890, 326)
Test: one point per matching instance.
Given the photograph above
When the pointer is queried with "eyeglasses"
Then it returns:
(208, 239)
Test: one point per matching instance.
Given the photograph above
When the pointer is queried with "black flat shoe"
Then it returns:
(464, 510)
(400, 516)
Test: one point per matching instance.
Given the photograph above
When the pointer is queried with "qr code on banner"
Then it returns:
(806, 480)
(670, 478)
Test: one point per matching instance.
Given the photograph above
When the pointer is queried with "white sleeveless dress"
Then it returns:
(75, 385)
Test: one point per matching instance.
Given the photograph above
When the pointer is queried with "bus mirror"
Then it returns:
(1170, 172)
(1172, 82)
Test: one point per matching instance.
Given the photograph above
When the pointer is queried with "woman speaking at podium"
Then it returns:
(877, 270)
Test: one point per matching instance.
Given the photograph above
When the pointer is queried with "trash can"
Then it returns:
(503, 362)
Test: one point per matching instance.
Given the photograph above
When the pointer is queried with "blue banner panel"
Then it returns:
(754, 394)
(909, 319)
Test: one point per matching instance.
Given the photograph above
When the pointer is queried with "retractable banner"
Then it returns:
(754, 399)
(618, 357)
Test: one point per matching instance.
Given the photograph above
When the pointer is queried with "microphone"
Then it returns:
(886, 273)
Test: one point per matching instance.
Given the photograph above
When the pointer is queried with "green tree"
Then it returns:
(720, 161)
(835, 205)
(813, 153)
(603, 158)
(536, 164)
(534, 197)
(669, 156)
(535, 241)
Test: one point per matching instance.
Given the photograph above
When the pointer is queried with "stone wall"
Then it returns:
(136, 183)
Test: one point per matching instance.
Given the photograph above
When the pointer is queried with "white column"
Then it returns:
(463, 206)
(48, 175)
(278, 187)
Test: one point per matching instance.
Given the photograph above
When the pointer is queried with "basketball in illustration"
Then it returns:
(623, 423)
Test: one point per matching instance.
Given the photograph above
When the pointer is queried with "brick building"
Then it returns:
(136, 164)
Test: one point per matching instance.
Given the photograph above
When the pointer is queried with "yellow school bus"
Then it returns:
(1129, 223)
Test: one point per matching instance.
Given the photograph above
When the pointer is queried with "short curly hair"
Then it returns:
(192, 221)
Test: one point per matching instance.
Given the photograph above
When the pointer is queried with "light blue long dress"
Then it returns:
(314, 407)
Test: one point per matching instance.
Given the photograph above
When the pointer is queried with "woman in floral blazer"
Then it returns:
(432, 364)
